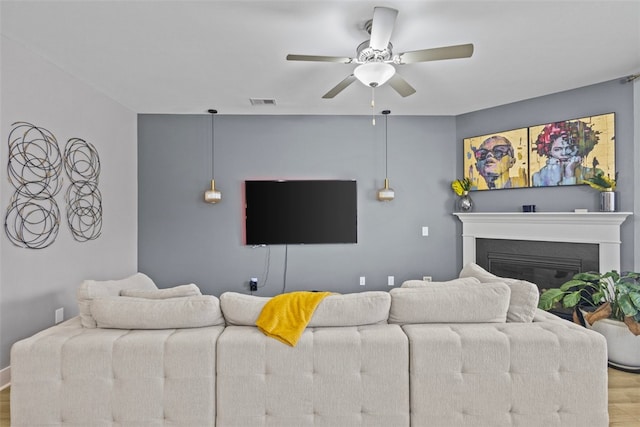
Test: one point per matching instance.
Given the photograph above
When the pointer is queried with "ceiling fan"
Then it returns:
(375, 56)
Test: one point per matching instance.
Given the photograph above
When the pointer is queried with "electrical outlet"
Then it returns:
(390, 280)
(427, 278)
(425, 231)
(362, 280)
(59, 315)
(253, 284)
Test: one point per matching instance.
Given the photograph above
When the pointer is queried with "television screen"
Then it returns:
(300, 212)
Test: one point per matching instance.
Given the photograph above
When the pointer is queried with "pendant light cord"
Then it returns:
(213, 139)
(386, 142)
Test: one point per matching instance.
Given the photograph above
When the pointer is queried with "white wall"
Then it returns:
(33, 283)
(636, 171)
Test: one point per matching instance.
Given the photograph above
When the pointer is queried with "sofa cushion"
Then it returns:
(142, 313)
(524, 295)
(422, 283)
(450, 303)
(363, 308)
(90, 289)
(189, 290)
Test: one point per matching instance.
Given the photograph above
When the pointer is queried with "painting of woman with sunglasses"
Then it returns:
(494, 159)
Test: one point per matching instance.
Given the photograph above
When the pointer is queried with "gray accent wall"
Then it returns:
(612, 96)
(182, 239)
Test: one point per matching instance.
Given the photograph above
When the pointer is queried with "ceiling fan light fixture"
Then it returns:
(374, 74)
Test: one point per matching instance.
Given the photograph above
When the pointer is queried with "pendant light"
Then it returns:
(212, 195)
(386, 194)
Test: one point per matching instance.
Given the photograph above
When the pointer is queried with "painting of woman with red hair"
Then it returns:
(569, 150)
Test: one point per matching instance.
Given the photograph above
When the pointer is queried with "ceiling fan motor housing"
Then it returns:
(366, 53)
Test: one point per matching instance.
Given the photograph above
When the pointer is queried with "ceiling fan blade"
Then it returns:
(384, 18)
(401, 86)
(437, 54)
(319, 58)
(340, 87)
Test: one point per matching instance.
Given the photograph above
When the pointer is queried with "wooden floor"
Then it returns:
(624, 400)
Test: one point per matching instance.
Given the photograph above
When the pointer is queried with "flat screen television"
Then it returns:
(300, 212)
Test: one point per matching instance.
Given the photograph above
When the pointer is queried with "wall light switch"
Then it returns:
(425, 231)
(390, 280)
(362, 280)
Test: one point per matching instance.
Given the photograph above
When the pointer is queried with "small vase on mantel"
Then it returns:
(608, 200)
(464, 203)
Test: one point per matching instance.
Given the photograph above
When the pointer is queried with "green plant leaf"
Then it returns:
(573, 283)
(635, 299)
(632, 275)
(622, 288)
(613, 274)
(587, 276)
(571, 299)
(549, 297)
(597, 297)
(634, 287)
(627, 306)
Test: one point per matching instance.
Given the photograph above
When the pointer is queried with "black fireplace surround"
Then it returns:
(547, 264)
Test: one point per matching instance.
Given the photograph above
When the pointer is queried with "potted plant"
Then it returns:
(461, 187)
(607, 187)
(608, 303)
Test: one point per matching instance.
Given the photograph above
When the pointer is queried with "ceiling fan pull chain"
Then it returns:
(373, 105)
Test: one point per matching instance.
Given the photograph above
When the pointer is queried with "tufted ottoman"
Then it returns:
(339, 376)
(69, 375)
(546, 373)
(349, 368)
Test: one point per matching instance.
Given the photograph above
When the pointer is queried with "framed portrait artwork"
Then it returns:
(497, 160)
(554, 154)
(568, 152)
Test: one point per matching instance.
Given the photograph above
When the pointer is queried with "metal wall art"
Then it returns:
(34, 168)
(33, 218)
(84, 201)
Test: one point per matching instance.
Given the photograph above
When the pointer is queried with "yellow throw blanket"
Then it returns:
(284, 317)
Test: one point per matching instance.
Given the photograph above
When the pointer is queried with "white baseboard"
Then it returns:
(5, 377)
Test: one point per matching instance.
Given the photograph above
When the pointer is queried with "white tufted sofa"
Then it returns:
(399, 358)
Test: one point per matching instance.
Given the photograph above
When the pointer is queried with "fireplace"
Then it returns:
(544, 248)
(547, 264)
(601, 229)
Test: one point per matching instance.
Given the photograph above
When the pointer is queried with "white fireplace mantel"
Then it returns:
(602, 228)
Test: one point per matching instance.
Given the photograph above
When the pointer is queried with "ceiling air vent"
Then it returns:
(262, 101)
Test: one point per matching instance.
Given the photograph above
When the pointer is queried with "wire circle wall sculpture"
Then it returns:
(32, 223)
(32, 219)
(83, 198)
(34, 168)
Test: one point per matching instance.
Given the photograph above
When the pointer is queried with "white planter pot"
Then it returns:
(623, 348)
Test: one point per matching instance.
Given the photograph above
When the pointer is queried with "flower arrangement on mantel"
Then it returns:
(601, 182)
(613, 295)
(461, 186)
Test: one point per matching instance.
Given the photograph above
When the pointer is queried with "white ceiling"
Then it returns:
(188, 56)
